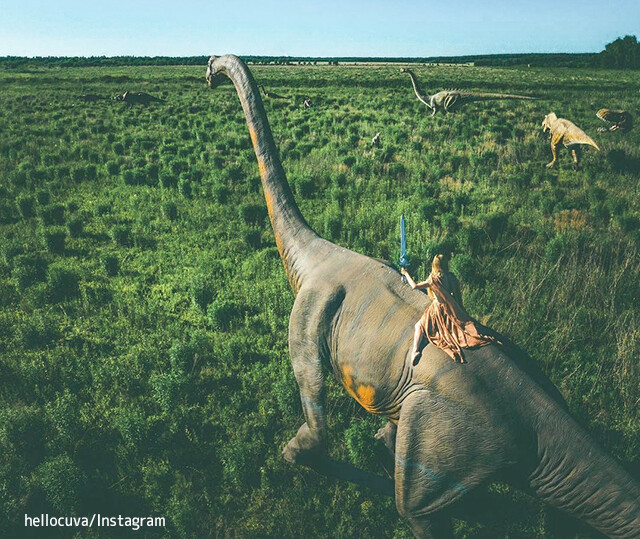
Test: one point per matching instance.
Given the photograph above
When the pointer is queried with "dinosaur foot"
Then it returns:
(387, 435)
(304, 448)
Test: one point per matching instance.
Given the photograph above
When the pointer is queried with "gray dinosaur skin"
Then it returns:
(450, 100)
(451, 427)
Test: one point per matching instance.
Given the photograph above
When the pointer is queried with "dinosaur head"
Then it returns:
(548, 120)
(214, 74)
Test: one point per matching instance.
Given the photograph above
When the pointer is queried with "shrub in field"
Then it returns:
(305, 187)
(168, 389)
(128, 177)
(52, 214)
(467, 269)
(75, 227)
(253, 237)
(25, 205)
(29, 269)
(167, 179)
(113, 168)
(202, 290)
(78, 174)
(220, 193)
(55, 239)
(63, 281)
(151, 171)
(628, 221)
(62, 173)
(103, 209)
(61, 482)
(184, 186)
(90, 172)
(170, 210)
(178, 166)
(38, 331)
(221, 313)
(111, 264)
(253, 214)
(121, 235)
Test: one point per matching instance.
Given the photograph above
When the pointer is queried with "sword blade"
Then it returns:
(403, 238)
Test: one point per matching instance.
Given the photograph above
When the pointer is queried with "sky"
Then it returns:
(309, 28)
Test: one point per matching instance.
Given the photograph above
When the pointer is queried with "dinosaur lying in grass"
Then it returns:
(620, 119)
(450, 100)
(137, 98)
(452, 427)
(568, 134)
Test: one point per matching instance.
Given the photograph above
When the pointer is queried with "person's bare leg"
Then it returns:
(417, 340)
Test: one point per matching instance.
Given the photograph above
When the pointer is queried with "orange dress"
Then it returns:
(446, 323)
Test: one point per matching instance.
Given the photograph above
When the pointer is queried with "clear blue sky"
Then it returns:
(324, 28)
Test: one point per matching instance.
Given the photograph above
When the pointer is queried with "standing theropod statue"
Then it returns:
(451, 427)
(451, 100)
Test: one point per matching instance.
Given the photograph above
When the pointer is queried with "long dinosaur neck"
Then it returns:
(292, 232)
(416, 88)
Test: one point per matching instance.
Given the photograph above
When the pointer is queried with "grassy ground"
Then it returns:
(144, 309)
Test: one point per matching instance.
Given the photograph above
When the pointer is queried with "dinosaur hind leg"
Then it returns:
(575, 153)
(444, 449)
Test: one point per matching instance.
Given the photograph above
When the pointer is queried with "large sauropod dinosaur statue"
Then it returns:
(450, 100)
(137, 98)
(451, 427)
(568, 134)
(621, 120)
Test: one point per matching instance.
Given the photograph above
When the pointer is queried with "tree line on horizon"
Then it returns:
(623, 53)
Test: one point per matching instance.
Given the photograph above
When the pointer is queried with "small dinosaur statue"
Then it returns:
(621, 120)
(449, 100)
(137, 98)
(271, 95)
(568, 134)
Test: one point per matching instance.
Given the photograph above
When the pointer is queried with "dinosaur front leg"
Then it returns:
(307, 330)
(311, 440)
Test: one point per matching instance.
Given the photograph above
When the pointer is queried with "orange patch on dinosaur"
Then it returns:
(364, 394)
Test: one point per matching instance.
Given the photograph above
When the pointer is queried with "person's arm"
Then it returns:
(412, 283)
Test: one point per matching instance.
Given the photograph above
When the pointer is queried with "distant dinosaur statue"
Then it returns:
(621, 120)
(568, 134)
(137, 98)
(450, 100)
(375, 141)
(451, 427)
(271, 95)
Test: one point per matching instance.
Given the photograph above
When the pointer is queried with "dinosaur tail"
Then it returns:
(472, 96)
(574, 474)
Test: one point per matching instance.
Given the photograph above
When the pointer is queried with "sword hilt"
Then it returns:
(403, 263)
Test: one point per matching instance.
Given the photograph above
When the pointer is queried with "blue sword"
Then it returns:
(404, 260)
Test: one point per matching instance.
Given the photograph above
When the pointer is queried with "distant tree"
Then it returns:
(623, 53)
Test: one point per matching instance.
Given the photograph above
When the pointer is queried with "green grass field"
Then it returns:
(144, 309)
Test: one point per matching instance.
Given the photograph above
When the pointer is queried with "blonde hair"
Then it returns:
(440, 264)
